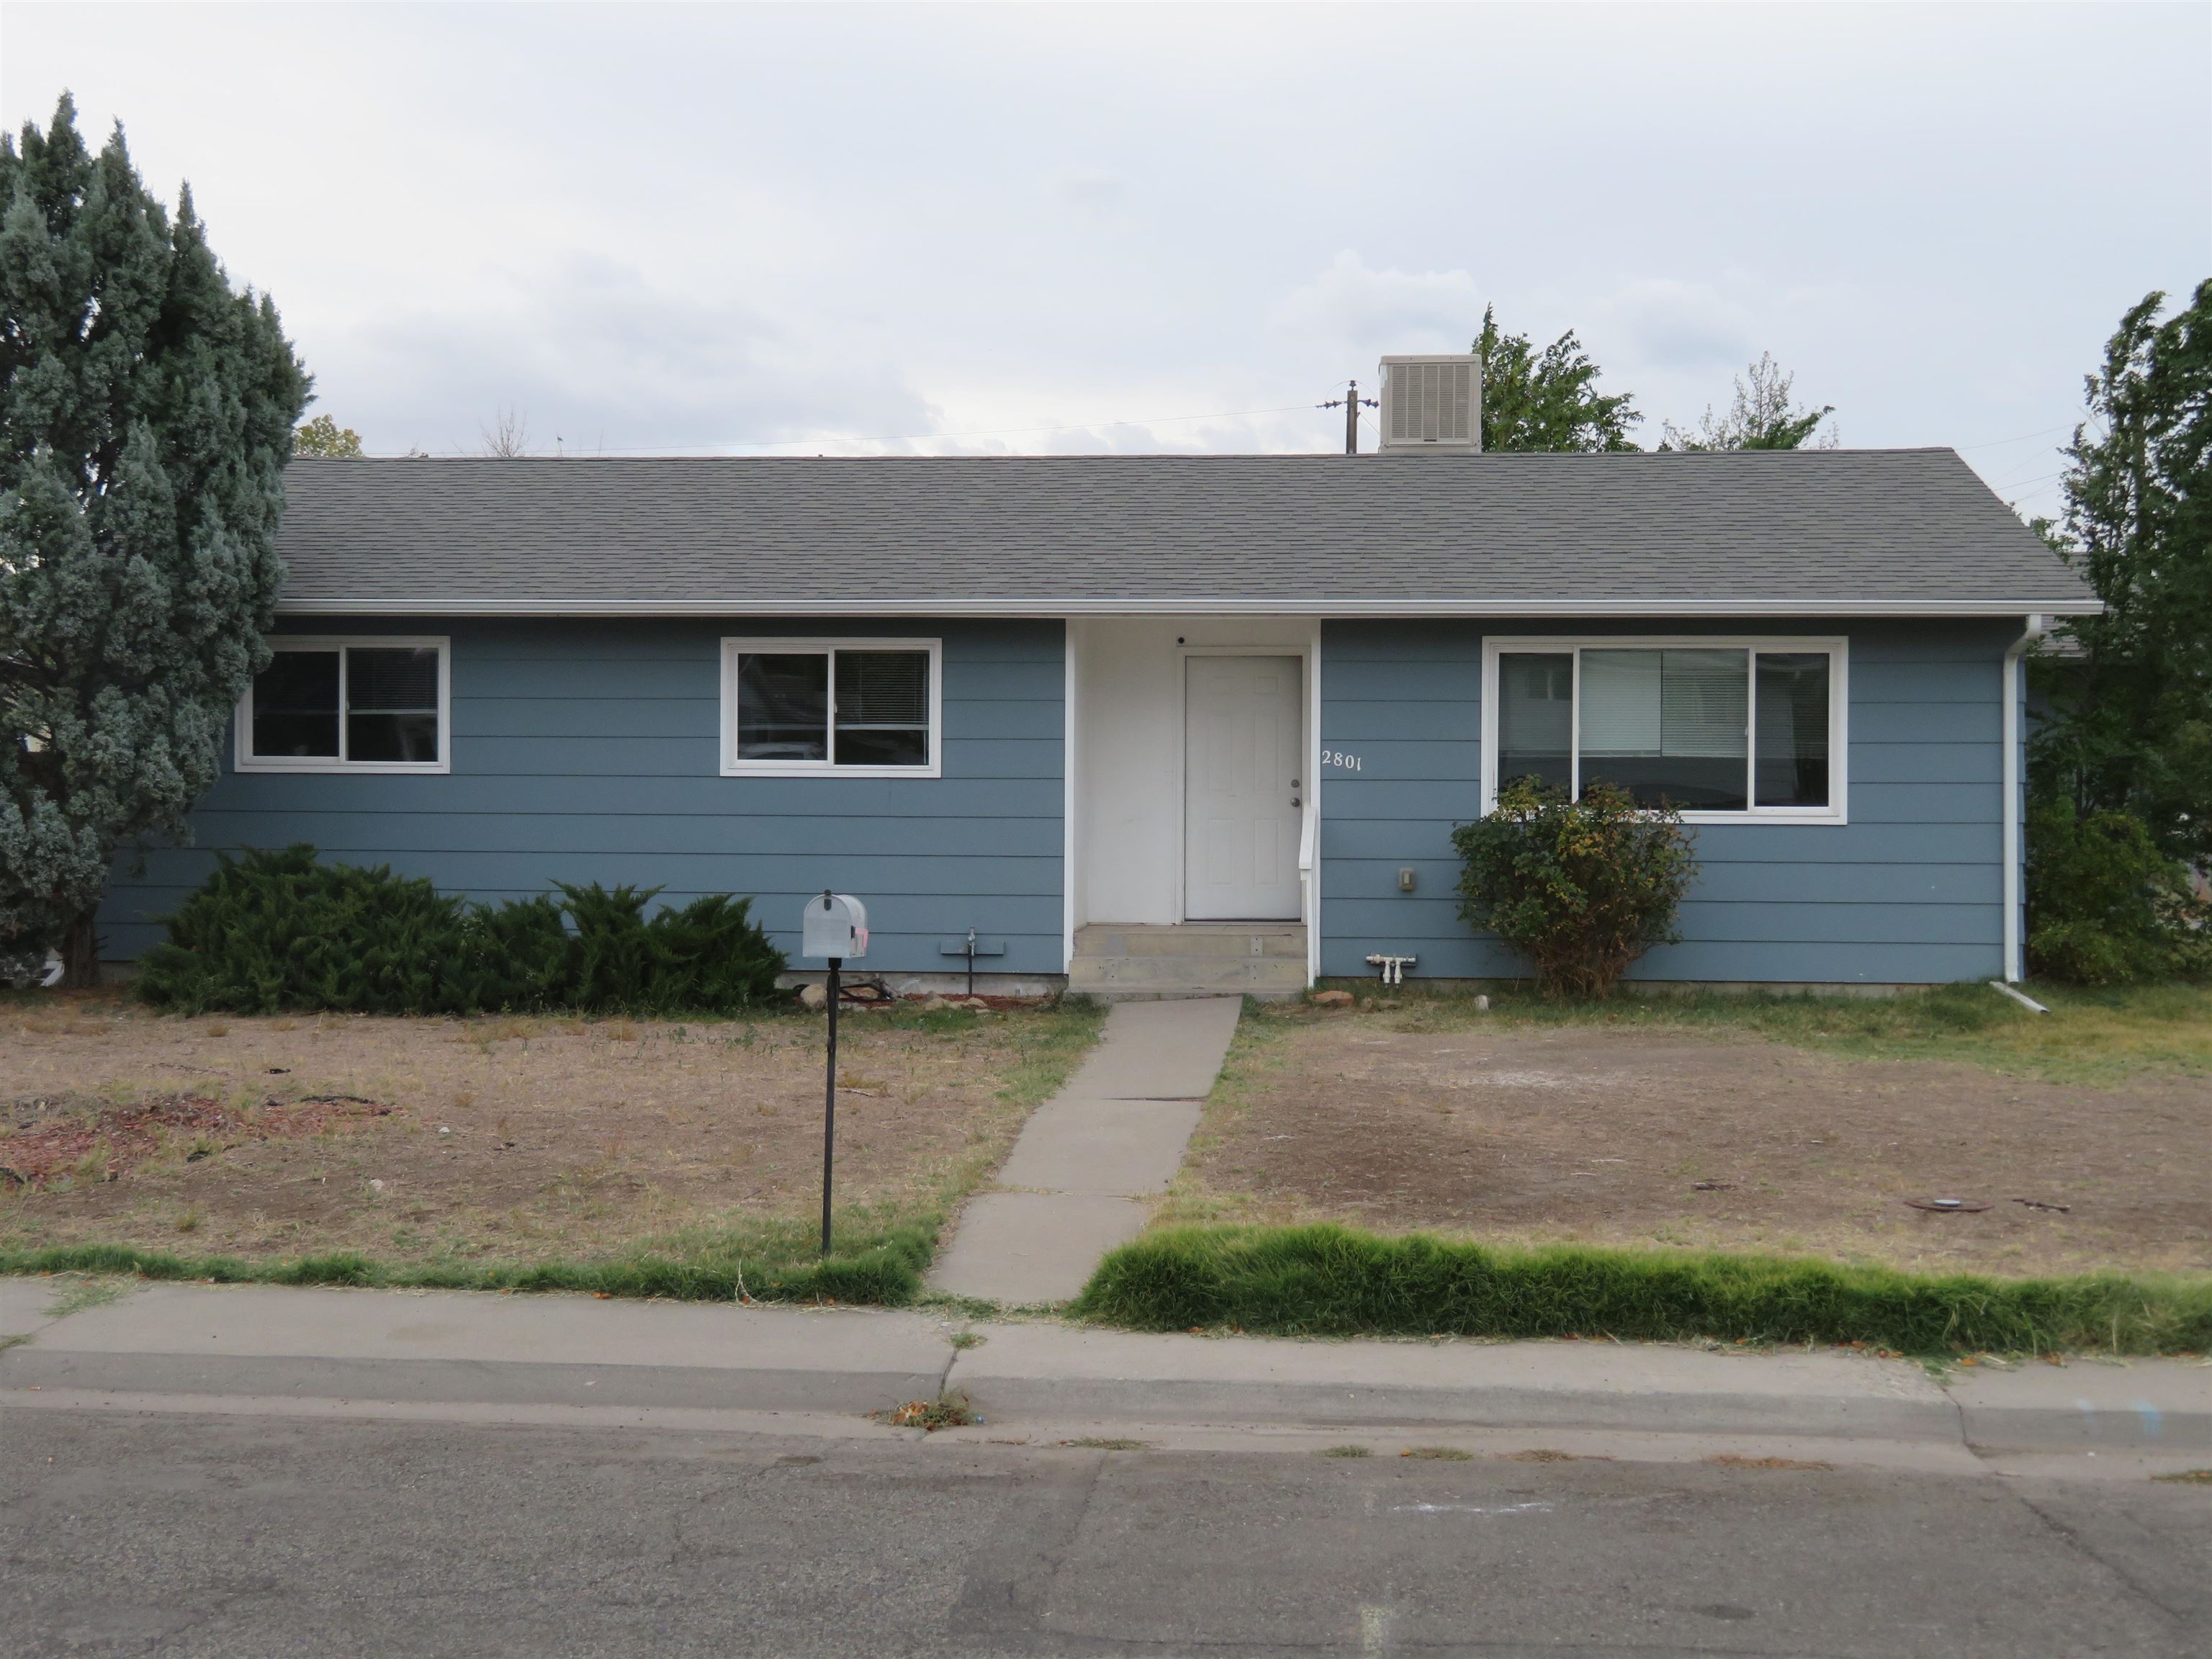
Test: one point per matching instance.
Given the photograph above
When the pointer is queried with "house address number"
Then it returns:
(1339, 759)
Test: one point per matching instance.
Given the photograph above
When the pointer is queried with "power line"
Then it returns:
(1995, 443)
(2027, 483)
(2031, 481)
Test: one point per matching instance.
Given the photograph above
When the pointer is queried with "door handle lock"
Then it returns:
(1295, 801)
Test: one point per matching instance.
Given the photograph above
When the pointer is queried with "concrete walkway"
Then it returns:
(461, 1356)
(1075, 1184)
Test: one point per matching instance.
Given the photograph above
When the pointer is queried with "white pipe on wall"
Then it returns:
(1309, 832)
(1071, 907)
(2014, 970)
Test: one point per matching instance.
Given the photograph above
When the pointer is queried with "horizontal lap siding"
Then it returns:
(1909, 891)
(587, 752)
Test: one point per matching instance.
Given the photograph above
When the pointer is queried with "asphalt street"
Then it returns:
(148, 1533)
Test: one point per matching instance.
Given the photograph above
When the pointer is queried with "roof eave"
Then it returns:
(1190, 606)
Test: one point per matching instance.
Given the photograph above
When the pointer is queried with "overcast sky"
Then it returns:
(759, 229)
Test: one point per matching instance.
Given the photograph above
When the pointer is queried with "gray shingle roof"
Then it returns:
(1835, 531)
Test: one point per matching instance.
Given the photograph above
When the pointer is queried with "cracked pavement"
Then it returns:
(156, 1533)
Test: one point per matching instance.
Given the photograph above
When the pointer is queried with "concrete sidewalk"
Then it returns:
(1074, 1186)
(267, 1340)
(266, 1349)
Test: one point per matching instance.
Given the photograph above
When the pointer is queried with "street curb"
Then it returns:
(472, 1381)
(420, 1349)
(457, 1347)
(1055, 1372)
(1009, 1403)
(1007, 1399)
(2148, 1405)
(1993, 1427)
(2029, 1428)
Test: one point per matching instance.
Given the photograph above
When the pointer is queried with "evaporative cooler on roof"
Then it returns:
(1432, 405)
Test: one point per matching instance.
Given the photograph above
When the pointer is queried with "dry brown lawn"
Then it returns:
(1517, 1131)
(508, 1139)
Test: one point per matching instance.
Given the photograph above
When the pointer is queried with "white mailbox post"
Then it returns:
(833, 928)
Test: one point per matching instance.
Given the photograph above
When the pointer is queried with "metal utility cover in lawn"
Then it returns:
(834, 927)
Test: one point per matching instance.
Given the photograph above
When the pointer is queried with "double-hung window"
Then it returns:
(1721, 729)
(349, 705)
(850, 707)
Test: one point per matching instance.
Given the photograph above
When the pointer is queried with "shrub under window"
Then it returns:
(1580, 888)
(281, 929)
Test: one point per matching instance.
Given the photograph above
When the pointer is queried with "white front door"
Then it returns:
(1242, 790)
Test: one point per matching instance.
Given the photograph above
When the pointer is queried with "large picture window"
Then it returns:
(364, 705)
(1718, 729)
(854, 708)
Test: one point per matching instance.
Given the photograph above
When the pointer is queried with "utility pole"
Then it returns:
(1353, 403)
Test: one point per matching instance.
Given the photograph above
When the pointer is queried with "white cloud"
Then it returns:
(600, 356)
(1049, 227)
(1351, 305)
(1678, 325)
(1094, 191)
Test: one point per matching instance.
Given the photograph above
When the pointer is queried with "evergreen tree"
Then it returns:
(2130, 728)
(1546, 399)
(1761, 416)
(146, 414)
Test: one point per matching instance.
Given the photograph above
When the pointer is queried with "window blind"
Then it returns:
(1690, 703)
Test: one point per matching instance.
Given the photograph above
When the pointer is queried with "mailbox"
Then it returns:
(834, 927)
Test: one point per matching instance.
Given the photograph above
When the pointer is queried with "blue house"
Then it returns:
(1158, 722)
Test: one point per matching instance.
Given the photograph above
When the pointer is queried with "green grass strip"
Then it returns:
(1332, 1281)
(885, 1270)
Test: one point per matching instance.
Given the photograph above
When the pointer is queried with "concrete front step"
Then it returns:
(1113, 978)
(1241, 971)
(1214, 939)
(1123, 963)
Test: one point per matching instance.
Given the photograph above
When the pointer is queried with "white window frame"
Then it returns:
(734, 767)
(244, 759)
(1837, 649)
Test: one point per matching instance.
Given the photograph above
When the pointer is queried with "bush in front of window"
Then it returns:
(1580, 888)
(280, 930)
(2105, 906)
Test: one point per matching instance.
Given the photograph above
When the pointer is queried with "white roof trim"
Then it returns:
(827, 606)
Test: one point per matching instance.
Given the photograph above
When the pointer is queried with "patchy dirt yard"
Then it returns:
(1643, 1137)
(502, 1139)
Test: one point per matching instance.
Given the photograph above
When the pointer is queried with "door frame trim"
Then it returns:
(1306, 654)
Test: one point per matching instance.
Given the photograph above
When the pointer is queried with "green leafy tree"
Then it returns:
(146, 414)
(325, 438)
(1581, 888)
(1762, 416)
(2104, 905)
(1546, 398)
(2129, 692)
